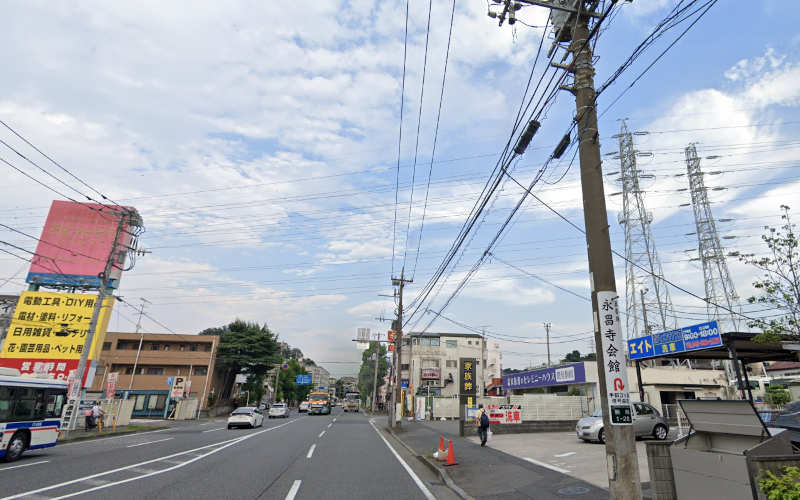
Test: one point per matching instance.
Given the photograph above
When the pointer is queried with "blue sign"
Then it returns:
(557, 375)
(303, 380)
(169, 381)
(404, 383)
(691, 338)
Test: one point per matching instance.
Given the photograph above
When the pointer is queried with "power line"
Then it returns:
(400, 137)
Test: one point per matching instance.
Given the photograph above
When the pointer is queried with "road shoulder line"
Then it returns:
(424, 489)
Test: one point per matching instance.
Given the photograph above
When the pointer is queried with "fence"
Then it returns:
(534, 406)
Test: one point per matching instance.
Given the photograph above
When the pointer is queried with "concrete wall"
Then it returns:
(122, 408)
(535, 426)
(552, 407)
(186, 409)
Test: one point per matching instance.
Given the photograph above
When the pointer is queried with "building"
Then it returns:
(319, 377)
(429, 361)
(161, 356)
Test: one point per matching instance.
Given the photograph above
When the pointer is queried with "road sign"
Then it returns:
(362, 335)
(615, 367)
(169, 381)
(188, 389)
(111, 385)
(285, 366)
(178, 386)
(690, 338)
(303, 380)
(390, 335)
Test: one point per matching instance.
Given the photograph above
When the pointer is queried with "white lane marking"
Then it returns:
(424, 489)
(567, 454)
(148, 442)
(212, 430)
(546, 465)
(293, 490)
(329, 425)
(311, 451)
(102, 440)
(321, 434)
(226, 443)
(24, 465)
(334, 420)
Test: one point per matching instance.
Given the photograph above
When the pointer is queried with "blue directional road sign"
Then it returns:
(303, 380)
(691, 338)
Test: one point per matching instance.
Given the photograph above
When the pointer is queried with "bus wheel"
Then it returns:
(15, 447)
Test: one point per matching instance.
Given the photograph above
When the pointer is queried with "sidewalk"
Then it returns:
(136, 426)
(487, 473)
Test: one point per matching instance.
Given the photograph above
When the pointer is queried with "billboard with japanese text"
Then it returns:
(558, 375)
(48, 331)
(75, 244)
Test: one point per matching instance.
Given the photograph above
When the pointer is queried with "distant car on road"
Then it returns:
(263, 406)
(246, 416)
(303, 408)
(279, 410)
(647, 421)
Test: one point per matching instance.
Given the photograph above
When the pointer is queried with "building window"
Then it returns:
(182, 347)
(469, 342)
(166, 347)
(430, 341)
(192, 347)
(452, 363)
(430, 363)
(200, 370)
(154, 370)
(207, 348)
(484, 364)
(128, 370)
(106, 346)
(122, 345)
(154, 347)
(404, 366)
(100, 370)
(451, 344)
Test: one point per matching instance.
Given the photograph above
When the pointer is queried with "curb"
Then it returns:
(443, 475)
(111, 434)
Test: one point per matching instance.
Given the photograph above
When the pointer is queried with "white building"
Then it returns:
(429, 361)
(319, 377)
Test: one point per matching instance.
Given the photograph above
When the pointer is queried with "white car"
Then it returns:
(246, 417)
(279, 410)
(303, 408)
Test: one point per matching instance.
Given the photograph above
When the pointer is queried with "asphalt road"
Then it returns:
(338, 456)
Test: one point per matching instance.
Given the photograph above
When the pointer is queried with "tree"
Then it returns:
(255, 386)
(366, 375)
(572, 357)
(288, 390)
(777, 395)
(245, 347)
(779, 285)
(339, 386)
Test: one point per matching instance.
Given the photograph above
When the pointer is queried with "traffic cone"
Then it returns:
(451, 459)
(441, 444)
(441, 455)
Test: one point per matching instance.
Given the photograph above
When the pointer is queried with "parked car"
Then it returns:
(278, 410)
(246, 416)
(647, 421)
(303, 408)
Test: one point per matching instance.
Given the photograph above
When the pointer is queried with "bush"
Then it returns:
(783, 487)
(777, 395)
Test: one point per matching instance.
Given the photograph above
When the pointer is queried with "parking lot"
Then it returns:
(563, 452)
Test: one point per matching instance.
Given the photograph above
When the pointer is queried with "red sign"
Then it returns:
(430, 374)
(391, 347)
(75, 244)
(390, 335)
(505, 414)
(111, 385)
(57, 369)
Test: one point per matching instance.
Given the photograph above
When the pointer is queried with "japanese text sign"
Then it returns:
(614, 366)
(468, 380)
(303, 380)
(690, 338)
(559, 375)
(178, 386)
(505, 414)
(51, 327)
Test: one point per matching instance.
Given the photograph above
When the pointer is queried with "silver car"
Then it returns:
(647, 421)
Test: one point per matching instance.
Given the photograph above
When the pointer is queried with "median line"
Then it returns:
(148, 442)
(321, 434)
(212, 430)
(293, 490)
(311, 450)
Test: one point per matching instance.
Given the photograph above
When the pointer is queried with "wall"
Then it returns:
(186, 409)
(122, 408)
(535, 407)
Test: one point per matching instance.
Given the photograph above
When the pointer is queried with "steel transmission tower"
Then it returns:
(719, 286)
(647, 301)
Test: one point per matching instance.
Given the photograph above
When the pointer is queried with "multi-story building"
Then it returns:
(161, 356)
(319, 377)
(429, 361)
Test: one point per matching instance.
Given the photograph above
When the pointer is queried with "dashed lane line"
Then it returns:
(138, 467)
(424, 489)
(212, 430)
(24, 465)
(311, 451)
(148, 442)
(546, 465)
(321, 434)
(329, 425)
(293, 490)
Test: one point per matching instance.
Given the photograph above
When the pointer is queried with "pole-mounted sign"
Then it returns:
(615, 367)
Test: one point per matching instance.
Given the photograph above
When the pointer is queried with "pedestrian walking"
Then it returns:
(87, 419)
(97, 416)
(482, 423)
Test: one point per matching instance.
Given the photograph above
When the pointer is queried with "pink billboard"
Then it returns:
(76, 242)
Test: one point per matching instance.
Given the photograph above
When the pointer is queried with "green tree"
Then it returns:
(245, 347)
(288, 390)
(777, 395)
(367, 371)
(572, 357)
(339, 386)
(779, 284)
(255, 386)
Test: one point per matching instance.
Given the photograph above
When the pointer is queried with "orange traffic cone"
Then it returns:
(451, 459)
(441, 455)
(441, 444)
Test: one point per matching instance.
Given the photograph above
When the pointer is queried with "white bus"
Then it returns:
(30, 413)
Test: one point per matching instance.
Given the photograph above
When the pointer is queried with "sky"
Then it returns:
(259, 141)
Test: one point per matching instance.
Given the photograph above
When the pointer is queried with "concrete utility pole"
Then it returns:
(571, 24)
(398, 328)
(375, 377)
(141, 339)
(547, 329)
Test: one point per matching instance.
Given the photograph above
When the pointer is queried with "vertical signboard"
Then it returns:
(178, 387)
(614, 353)
(467, 376)
(76, 241)
(362, 335)
(48, 332)
(111, 384)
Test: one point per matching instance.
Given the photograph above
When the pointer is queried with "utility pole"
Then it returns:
(141, 339)
(571, 24)
(547, 329)
(398, 328)
(375, 377)
(98, 306)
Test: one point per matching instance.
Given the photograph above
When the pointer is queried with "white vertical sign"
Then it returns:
(362, 335)
(615, 360)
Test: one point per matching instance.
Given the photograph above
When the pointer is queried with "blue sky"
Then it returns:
(260, 145)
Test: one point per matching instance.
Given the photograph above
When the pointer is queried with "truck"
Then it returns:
(319, 403)
(352, 401)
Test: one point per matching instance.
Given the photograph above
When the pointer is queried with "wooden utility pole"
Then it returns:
(398, 328)
(547, 329)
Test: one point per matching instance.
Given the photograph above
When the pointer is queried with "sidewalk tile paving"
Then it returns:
(486, 473)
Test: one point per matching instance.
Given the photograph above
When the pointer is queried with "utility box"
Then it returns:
(712, 461)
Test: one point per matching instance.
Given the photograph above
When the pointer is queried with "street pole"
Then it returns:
(87, 345)
(400, 283)
(621, 459)
(208, 374)
(644, 314)
(547, 329)
(375, 377)
(141, 339)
